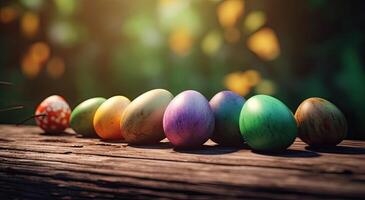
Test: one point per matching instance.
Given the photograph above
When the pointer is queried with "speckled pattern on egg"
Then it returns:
(57, 114)
(141, 122)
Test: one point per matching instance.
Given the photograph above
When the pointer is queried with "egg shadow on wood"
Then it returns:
(289, 153)
(208, 150)
(87, 136)
(113, 141)
(159, 145)
(62, 133)
(338, 150)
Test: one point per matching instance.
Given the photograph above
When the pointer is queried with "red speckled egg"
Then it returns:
(56, 113)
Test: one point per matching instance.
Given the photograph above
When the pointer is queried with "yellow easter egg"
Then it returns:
(107, 118)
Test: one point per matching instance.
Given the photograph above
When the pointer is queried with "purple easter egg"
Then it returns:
(188, 120)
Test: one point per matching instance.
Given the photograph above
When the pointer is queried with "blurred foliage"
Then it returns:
(86, 48)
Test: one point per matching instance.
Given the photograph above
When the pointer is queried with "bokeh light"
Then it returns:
(65, 7)
(30, 24)
(63, 33)
(229, 11)
(32, 62)
(181, 41)
(211, 43)
(178, 13)
(254, 20)
(30, 68)
(264, 43)
(242, 82)
(32, 4)
(55, 67)
(236, 83)
(39, 52)
(8, 14)
(267, 87)
(253, 77)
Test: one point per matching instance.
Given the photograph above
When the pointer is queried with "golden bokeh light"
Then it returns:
(211, 43)
(229, 11)
(32, 62)
(242, 82)
(29, 67)
(8, 14)
(264, 44)
(254, 21)
(55, 67)
(236, 83)
(266, 87)
(40, 52)
(253, 77)
(181, 41)
(232, 35)
(29, 24)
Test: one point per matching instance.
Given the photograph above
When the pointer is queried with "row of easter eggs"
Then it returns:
(189, 120)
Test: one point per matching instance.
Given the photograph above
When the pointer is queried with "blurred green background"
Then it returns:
(86, 48)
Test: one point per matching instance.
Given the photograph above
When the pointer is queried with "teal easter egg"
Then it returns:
(226, 106)
(267, 124)
(83, 115)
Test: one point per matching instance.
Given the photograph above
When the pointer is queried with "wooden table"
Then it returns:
(34, 165)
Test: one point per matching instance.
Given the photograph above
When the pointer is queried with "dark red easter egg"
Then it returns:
(53, 114)
(320, 123)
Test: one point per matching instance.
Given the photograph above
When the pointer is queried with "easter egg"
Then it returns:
(141, 122)
(226, 106)
(53, 114)
(267, 124)
(320, 123)
(188, 120)
(83, 115)
(107, 117)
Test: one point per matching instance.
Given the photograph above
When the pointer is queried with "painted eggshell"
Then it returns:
(141, 122)
(107, 118)
(267, 124)
(226, 106)
(83, 115)
(188, 120)
(56, 113)
(320, 123)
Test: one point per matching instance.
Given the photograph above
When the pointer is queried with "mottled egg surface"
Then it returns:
(83, 115)
(320, 123)
(267, 124)
(226, 106)
(141, 122)
(107, 118)
(188, 120)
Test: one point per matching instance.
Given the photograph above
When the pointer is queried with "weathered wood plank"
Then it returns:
(33, 163)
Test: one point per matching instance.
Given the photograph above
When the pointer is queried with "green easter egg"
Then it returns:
(82, 116)
(267, 124)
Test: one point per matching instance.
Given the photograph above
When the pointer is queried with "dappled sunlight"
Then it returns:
(229, 11)
(264, 44)
(30, 23)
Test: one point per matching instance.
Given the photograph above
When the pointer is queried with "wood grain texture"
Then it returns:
(34, 165)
